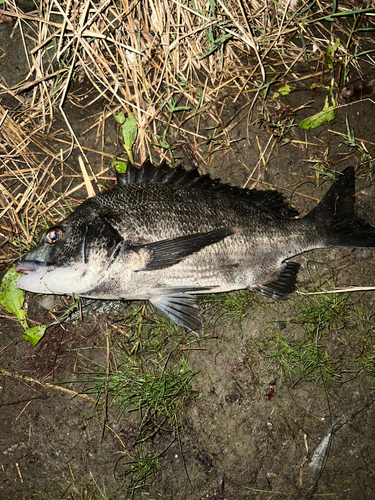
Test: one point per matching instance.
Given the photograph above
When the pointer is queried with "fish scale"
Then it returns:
(167, 235)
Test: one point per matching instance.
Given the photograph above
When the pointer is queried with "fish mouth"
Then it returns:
(40, 277)
(29, 266)
(33, 275)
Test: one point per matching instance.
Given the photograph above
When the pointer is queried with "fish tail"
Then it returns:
(335, 216)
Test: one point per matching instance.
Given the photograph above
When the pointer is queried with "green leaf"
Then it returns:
(120, 117)
(284, 90)
(162, 144)
(119, 166)
(325, 116)
(331, 49)
(33, 335)
(200, 94)
(215, 46)
(178, 108)
(181, 108)
(129, 130)
(12, 297)
(329, 56)
(332, 17)
(212, 6)
(320, 86)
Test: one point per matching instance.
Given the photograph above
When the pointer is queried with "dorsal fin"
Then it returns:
(269, 200)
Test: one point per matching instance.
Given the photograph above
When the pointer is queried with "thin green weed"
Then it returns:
(147, 384)
(277, 124)
(365, 158)
(78, 491)
(317, 343)
(238, 306)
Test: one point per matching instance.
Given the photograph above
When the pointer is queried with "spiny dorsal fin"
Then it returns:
(269, 200)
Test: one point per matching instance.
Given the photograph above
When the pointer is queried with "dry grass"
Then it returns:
(142, 56)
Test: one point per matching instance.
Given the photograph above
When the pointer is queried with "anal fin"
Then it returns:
(282, 284)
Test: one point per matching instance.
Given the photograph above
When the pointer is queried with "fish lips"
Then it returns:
(33, 272)
(29, 266)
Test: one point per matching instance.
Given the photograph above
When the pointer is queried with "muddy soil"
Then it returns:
(250, 433)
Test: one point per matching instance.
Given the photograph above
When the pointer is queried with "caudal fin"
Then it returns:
(335, 217)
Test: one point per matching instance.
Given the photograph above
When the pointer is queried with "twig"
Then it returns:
(46, 385)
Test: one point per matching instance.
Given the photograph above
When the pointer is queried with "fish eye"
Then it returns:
(54, 235)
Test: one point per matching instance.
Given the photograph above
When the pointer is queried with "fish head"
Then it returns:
(70, 257)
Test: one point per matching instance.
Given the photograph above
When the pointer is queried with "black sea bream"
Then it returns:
(165, 235)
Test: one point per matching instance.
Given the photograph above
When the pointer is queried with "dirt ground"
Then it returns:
(249, 433)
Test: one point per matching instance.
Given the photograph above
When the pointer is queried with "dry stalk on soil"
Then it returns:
(144, 57)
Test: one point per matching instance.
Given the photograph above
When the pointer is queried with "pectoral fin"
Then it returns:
(179, 306)
(167, 253)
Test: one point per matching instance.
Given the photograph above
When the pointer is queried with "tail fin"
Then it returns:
(335, 216)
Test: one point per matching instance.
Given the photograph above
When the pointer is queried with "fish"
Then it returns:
(167, 235)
